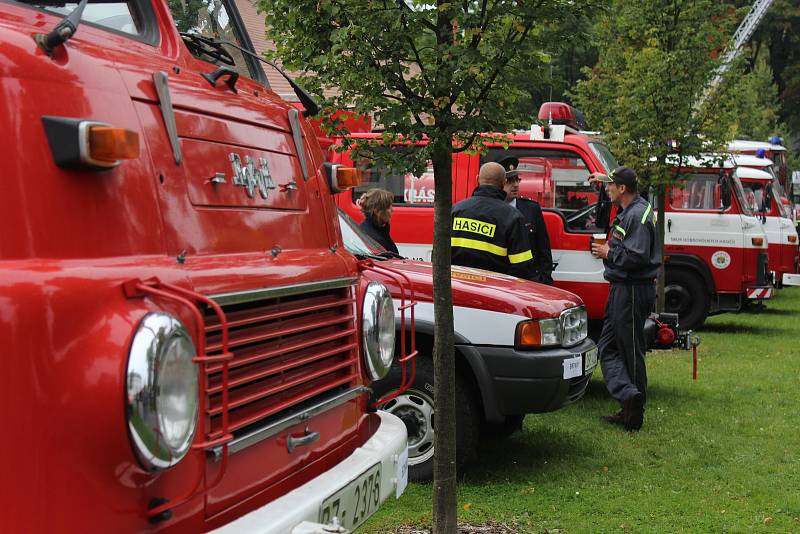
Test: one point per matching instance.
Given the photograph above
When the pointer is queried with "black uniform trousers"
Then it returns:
(622, 344)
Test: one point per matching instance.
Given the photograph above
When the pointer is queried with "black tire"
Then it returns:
(686, 294)
(415, 407)
(503, 430)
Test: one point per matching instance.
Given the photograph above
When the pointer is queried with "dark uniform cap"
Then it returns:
(623, 176)
(510, 164)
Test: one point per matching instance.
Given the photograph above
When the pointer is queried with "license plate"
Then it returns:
(573, 366)
(354, 503)
(590, 360)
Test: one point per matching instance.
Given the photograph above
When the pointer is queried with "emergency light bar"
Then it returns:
(561, 113)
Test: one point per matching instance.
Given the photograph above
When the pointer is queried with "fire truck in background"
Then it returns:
(763, 191)
(554, 164)
(187, 344)
(772, 150)
(715, 249)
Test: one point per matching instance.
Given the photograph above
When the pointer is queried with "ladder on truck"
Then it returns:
(740, 38)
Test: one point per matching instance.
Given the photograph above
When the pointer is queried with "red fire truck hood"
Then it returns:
(486, 290)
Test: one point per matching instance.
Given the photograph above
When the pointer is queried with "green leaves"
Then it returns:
(654, 63)
(422, 68)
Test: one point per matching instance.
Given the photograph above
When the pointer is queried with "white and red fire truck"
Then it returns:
(765, 193)
(187, 345)
(555, 164)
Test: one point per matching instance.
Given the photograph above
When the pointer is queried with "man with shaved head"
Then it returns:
(488, 233)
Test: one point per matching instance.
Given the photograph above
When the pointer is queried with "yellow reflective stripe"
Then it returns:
(520, 257)
(621, 229)
(646, 213)
(478, 245)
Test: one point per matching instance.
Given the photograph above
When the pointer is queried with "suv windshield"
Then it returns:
(354, 239)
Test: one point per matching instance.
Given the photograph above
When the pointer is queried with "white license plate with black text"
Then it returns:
(354, 503)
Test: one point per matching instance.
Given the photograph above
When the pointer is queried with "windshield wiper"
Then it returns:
(311, 107)
(367, 256)
(62, 32)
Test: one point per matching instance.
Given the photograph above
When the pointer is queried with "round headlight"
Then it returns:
(162, 391)
(378, 327)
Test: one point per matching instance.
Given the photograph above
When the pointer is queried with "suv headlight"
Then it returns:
(568, 329)
(162, 391)
(378, 330)
(575, 326)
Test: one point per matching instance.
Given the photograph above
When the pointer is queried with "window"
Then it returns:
(546, 172)
(202, 21)
(698, 192)
(120, 16)
(605, 156)
(408, 189)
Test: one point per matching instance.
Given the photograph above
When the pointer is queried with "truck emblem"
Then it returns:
(251, 177)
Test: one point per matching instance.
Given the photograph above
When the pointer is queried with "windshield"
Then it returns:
(354, 239)
(605, 156)
(738, 190)
(755, 195)
(117, 15)
(779, 193)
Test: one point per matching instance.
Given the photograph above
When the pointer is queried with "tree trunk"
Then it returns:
(445, 516)
(661, 188)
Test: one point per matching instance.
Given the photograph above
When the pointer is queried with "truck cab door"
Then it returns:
(558, 174)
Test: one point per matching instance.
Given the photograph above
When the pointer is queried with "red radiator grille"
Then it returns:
(288, 351)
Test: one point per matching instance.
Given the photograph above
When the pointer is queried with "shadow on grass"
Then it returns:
(732, 328)
(777, 311)
(596, 391)
(523, 454)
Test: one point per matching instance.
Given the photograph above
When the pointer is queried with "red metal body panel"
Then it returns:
(69, 239)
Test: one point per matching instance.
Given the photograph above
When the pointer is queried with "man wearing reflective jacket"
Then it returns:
(487, 232)
(632, 258)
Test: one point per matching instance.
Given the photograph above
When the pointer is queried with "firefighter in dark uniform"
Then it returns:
(534, 222)
(488, 233)
(632, 259)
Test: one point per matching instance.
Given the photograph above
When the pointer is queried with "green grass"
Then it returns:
(721, 454)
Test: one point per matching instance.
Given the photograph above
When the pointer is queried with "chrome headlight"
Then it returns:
(378, 327)
(568, 329)
(162, 391)
(574, 325)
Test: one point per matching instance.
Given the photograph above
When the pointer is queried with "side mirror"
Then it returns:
(725, 192)
(603, 210)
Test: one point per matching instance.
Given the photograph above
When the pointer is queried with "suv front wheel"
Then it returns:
(416, 409)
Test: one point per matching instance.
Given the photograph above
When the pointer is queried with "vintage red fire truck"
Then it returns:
(187, 344)
(520, 348)
(555, 164)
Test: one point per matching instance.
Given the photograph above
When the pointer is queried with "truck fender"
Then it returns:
(691, 263)
(476, 366)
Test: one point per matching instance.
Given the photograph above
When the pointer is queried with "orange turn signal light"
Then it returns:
(348, 177)
(341, 178)
(792, 238)
(529, 333)
(757, 241)
(109, 145)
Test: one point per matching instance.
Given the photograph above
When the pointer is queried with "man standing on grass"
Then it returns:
(632, 259)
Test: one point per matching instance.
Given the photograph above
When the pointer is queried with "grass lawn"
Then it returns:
(721, 454)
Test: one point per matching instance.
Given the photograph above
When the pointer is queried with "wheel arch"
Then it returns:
(469, 365)
(692, 264)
